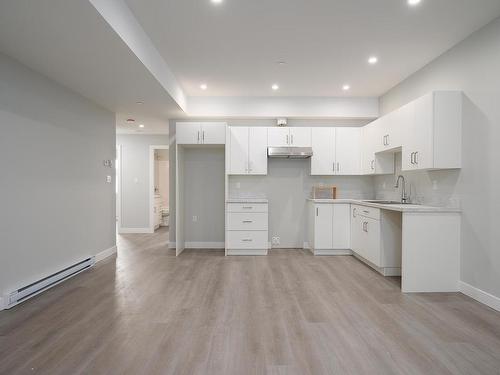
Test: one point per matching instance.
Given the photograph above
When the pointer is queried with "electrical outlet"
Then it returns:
(195, 219)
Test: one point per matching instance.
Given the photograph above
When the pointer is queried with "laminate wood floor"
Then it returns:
(148, 312)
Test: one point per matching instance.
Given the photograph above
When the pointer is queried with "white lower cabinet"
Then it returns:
(376, 238)
(246, 228)
(329, 228)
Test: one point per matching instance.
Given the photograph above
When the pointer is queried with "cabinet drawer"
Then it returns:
(247, 207)
(373, 213)
(247, 221)
(247, 239)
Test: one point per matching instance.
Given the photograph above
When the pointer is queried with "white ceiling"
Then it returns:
(69, 42)
(234, 46)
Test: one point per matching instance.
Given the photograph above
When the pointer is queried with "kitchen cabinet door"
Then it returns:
(323, 224)
(257, 150)
(423, 136)
(188, 133)
(213, 133)
(300, 137)
(371, 240)
(348, 151)
(357, 234)
(341, 226)
(278, 137)
(238, 150)
(323, 145)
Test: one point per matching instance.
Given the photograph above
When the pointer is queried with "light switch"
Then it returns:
(108, 179)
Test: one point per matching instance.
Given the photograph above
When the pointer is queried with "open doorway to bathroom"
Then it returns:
(159, 188)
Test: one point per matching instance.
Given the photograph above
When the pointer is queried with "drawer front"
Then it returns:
(373, 213)
(247, 221)
(247, 239)
(247, 207)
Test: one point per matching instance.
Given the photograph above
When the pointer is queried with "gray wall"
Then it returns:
(135, 177)
(56, 207)
(474, 67)
(287, 185)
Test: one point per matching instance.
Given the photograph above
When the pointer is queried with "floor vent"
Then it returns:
(39, 286)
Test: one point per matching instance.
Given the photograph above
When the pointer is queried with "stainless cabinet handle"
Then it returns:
(247, 240)
(317, 211)
(366, 212)
(387, 140)
(247, 221)
(287, 140)
(247, 207)
(373, 165)
(338, 167)
(416, 157)
(203, 136)
(333, 166)
(411, 158)
(291, 139)
(354, 212)
(198, 136)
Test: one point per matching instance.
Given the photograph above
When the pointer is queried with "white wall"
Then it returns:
(474, 67)
(287, 185)
(56, 207)
(135, 178)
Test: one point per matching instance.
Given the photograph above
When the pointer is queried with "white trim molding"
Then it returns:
(480, 295)
(105, 254)
(134, 230)
(2, 304)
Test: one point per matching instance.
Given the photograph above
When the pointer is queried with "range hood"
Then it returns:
(290, 152)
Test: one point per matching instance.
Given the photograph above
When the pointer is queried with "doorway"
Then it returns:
(159, 211)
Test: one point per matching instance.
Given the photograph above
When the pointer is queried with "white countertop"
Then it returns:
(392, 207)
(247, 200)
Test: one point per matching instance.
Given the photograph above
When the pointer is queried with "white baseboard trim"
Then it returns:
(246, 252)
(332, 252)
(105, 254)
(480, 295)
(204, 245)
(134, 230)
(2, 305)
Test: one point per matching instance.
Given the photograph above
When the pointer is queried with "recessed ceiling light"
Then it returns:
(281, 62)
(203, 86)
(275, 87)
(130, 120)
(141, 125)
(372, 60)
(216, 1)
(346, 87)
(139, 102)
(414, 2)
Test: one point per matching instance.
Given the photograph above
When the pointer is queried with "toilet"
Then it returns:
(165, 216)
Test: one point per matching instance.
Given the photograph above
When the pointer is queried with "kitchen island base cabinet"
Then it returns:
(376, 238)
(329, 229)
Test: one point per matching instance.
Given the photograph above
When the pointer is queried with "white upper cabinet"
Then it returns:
(348, 151)
(193, 133)
(374, 163)
(323, 145)
(336, 151)
(289, 137)
(257, 151)
(433, 139)
(247, 150)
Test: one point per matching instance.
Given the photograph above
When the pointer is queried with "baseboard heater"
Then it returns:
(31, 290)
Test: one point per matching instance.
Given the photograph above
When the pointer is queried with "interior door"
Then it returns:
(238, 150)
(188, 133)
(278, 137)
(257, 150)
(323, 145)
(323, 238)
(213, 133)
(348, 151)
(300, 137)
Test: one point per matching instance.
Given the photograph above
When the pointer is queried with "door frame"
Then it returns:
(118, 186)
(152, 149)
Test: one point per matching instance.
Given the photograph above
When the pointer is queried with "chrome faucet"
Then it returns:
(404, 198)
